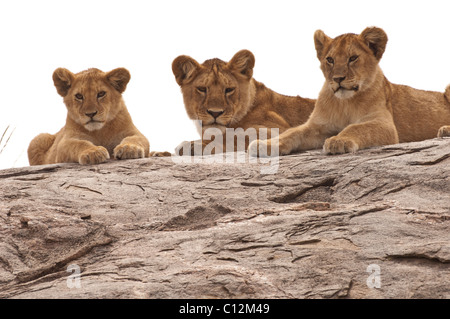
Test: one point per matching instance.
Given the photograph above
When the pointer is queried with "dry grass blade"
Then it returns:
(7, 140)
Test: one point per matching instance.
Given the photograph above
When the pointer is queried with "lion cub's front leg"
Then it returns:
(361, 136)
(93, 155)
(79, 151)
(444, 131)
(132, 147)
(200, 147)
(340, 145)
(190, 148)
(304, 137)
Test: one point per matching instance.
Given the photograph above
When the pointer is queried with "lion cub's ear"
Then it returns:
(321, 40)
(184, 67)
(376, 39)
(243, 62)
(63, 79)
(118, 78)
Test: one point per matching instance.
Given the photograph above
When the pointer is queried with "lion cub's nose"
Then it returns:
(339, 79)
(215, 114)
(91, 115)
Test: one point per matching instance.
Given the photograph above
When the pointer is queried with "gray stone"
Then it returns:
(374, 224)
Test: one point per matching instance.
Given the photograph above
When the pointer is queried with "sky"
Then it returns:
(36, 37)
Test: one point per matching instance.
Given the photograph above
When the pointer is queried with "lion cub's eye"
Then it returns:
(79, 96)
(101, 94)
(353, 58)
(201, 89)
(229, 90)
(330, 60)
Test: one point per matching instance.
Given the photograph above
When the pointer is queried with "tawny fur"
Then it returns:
(229, 91)
(98, 125)
(358, 107)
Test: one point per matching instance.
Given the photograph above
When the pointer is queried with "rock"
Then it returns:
(374, 224)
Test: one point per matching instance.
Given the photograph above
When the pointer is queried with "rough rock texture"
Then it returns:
(375, 224)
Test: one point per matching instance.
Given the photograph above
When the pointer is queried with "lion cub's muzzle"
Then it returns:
(91, 114)
(216, 116)
(339, 85)
(90, 117)
(93, 122)
(351, 88)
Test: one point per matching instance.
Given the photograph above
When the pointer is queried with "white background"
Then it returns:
(36, 37)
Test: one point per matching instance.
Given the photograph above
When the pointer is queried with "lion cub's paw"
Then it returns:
(159, 154)
(255, 146)
(263, 148)
(188, 148)
(94, 155)
(444, 131)
(128, 151)
(338, 145)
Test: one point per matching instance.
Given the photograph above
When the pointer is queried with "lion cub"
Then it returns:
(224, 96)
(98, 125)
(358, 107)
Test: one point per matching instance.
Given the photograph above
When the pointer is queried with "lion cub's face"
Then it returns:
(349, 62)
(215, 92)
(92, 97)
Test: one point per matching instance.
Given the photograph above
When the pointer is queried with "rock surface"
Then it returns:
(375, 224)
